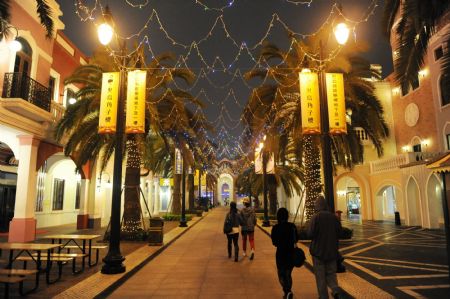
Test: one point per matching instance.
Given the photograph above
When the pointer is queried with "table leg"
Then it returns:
(84, 252)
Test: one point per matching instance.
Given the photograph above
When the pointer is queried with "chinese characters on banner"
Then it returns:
(178, 162)
(136, 102)
(336, 103)
(310, 103)
(108, 103)
(270, 166)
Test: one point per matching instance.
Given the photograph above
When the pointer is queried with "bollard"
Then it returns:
(155, 234)
(397, 218)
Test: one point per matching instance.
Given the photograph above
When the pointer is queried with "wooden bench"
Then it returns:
(17, 272)
(73, 256)
(60, 260)
(8, 280)
(96, 247)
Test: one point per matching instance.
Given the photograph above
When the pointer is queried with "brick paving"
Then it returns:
(196, 266)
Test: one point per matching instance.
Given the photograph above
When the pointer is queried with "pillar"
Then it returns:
(22, 227)
(157, 200)
(83, 216)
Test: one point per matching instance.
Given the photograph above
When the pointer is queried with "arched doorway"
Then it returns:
(413, 203)
(226, 182)
(8, 182)
(434, 197)
(386, 203)
(22, 62)
(349, 197)
(225, 191)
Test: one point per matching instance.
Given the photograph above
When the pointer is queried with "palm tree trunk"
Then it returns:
(191, 191)
(176, 199)
(273, 199)
(312, 175)
(132, 222)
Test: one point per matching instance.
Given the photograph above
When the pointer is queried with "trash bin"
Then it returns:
(397, 218)
(155, 233)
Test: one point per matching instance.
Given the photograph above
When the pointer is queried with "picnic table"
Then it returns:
(76, 241)
(27, 251)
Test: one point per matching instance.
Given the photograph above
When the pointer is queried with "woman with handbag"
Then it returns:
(231, 229)
(284, 237)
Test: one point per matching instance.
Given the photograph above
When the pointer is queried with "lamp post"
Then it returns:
(183, 222)
(341, 33)
(113, 260)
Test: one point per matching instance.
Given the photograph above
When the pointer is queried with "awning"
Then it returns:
(441, 164)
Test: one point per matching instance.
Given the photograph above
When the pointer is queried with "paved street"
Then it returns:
(407, 262)
(197, 266)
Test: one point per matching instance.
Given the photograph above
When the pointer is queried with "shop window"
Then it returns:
(444, 83)
(58, 194)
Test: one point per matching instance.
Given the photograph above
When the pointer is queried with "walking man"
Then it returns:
(324, 231)
(248, 222)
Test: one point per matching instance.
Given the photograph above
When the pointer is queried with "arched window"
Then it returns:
(444, 84)
(22, 63)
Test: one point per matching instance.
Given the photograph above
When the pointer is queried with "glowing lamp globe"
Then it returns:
(15, 46)
(341, 32)
(72, 101)
(105, 33)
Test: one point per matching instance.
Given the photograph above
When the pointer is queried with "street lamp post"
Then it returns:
(113, 260)
(266, 222)
(183, 222)
(341, 32)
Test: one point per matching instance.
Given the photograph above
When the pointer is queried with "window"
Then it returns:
(448, 142)
(51, 86)
(417, 148)
(40, 188)
(438, 53)
(78, 195)
(58, 194)
(444, 83)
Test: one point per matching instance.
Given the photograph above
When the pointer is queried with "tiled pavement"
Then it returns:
(197, 266)
(407, 262)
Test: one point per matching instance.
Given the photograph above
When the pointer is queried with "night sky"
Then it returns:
(247, 21)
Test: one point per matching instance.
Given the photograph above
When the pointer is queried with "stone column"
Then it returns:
(83, 216)
(22, 227)
(157, 204)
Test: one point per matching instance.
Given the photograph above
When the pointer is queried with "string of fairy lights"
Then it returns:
(191, 56)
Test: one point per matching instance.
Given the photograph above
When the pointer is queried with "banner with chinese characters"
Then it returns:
(336, 103)
(203, 179)
(270, 166)
(310, 102)
(163, 182)
(108, 103)
(178, 162)
(197, 172)
(136, 102)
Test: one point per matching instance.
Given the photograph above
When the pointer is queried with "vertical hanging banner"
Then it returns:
(136, 102)
(258, 161)
(108, 103)
(197, 173)
(336, 103)
(203, 180)
(178, 162)
(310, 102)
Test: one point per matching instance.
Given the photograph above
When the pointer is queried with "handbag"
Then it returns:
(228, 225)
(298, 257)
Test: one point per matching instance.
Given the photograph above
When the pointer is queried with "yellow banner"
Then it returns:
(336, 103)
(178, 162)
(165, 182)
(203, 179)
(108, 103)
(136, 102)
(310, 102)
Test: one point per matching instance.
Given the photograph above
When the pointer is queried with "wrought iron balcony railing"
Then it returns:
(19, 85)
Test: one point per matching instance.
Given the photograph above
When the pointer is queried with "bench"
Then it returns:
(73, 256)
(96, 247)
(60, 260)
(8, 280)
(17, 272)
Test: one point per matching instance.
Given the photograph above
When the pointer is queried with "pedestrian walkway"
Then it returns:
(197, 266)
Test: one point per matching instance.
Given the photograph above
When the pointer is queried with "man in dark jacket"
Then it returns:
(324, 231)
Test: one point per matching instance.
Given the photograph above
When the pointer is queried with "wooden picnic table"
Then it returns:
(43, 251)
(66, 239)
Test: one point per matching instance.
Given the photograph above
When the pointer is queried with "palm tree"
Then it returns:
(80, 122)
(275, 107)
(43, 10)
(418, 22)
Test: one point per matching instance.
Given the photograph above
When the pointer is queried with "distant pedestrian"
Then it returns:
(324, 231)
(248, 222)
(284, 237)
(233, 219)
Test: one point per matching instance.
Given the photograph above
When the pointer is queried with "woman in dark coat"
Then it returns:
(234, 234)
(284, 237)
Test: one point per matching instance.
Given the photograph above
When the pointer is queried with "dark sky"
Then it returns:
(246, 21)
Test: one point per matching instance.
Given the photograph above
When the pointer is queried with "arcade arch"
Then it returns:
(413, 203)
(434, 200)
(386, 202)
(225, 179)
(351, 196)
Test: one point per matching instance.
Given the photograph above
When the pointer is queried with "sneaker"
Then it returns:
(252, 255)
(290, 295)
(244, 254)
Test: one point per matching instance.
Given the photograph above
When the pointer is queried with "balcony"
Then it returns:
(402, 160)
(26, 97)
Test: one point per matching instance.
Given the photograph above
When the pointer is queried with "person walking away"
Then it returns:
(324, 231)
(284, 237)
(248, 222)
(233, 235)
